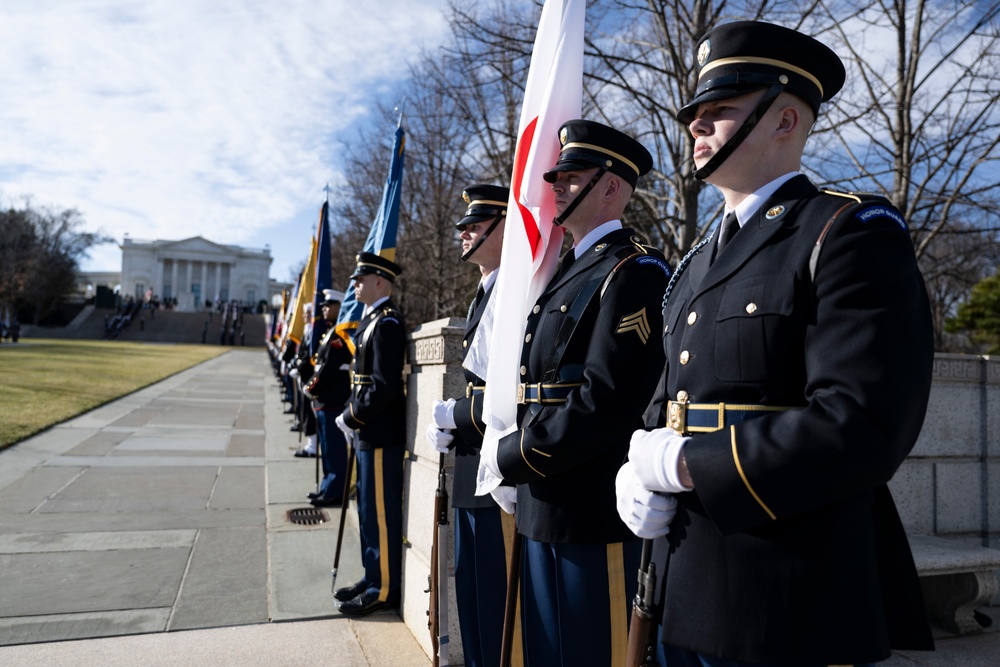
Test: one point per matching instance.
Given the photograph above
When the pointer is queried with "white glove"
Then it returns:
(444, 413)
(439, 439)
(646, 513)
(655, 455)
(347, 430)
(294, 373)
(506, 497)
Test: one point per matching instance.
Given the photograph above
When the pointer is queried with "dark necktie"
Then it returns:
(480, 293)
(730, 225)
(566, 263)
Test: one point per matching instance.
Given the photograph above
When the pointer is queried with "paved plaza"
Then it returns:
(166, 511)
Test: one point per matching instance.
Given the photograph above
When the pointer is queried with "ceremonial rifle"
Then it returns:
(510, 607)
(437, 613)
(345, 500)
(641, 647)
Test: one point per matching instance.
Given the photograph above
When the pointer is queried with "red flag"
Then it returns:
(553, 95)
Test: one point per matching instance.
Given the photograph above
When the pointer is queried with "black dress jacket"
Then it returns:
(470, 427)
(565, 456)
(789, 549)
(330, 385)
(377, 405)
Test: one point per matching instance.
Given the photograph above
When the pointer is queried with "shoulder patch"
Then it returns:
(655, 261)
(878, 211)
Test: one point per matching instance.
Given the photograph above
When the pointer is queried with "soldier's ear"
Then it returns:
(614, 186)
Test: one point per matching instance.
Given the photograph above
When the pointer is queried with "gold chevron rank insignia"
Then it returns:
(636, 322)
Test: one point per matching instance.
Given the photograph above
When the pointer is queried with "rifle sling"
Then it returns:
(575, 314)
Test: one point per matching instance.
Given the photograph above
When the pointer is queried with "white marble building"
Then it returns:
(194, 271)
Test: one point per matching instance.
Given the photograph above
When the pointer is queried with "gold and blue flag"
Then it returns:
(381, 239)
(324, 276)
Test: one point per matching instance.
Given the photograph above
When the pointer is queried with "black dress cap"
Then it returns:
(369, 263)
(485, 203)
(744, 56)
(586, 144)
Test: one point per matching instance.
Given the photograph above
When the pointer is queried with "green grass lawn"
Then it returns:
(45, 381)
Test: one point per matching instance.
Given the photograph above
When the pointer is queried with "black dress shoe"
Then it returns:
(350, 592)
(295, 427)
(325, 502)
(313, 495)
(303, 454)
(365, 604)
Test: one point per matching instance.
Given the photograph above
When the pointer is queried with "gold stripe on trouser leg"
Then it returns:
(618, 612)
(516, 647)
(383, 532)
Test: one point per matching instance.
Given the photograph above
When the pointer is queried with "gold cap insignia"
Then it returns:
(774, 212)
(703, 51)
(466, 197)
(563, 135)
(637, 322)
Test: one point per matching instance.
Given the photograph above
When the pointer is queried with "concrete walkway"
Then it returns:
(166, 511)
(153, 532)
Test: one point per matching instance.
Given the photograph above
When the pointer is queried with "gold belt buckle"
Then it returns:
(468, 390)
(520, 393)
(677, 416)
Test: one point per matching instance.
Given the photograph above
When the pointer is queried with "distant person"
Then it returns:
(480, 555)
(330, 388)
(376, 415)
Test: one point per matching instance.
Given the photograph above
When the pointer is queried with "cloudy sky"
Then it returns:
(176, 118)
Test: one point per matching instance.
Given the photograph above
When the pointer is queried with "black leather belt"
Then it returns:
(687, 418)
(545, 394)
(474, 390)
(358, 380)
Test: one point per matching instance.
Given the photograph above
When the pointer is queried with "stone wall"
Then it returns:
(950, 484)
(435, 372)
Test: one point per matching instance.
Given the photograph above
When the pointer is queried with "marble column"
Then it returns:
(173, 278)
(204, 286)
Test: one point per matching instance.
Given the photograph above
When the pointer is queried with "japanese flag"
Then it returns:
(553, 95)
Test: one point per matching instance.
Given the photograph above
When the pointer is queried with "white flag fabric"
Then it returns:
(553, 95)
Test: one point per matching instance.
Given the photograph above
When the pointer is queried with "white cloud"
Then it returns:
(173, 118)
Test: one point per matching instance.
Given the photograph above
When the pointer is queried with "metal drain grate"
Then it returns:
(307, 516)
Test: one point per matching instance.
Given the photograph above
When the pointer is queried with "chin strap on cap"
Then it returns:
(482, 239)
(558, 220)
(734, 142)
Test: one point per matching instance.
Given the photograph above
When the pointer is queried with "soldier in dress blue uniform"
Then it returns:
(480, 525)
(329, 388)
(375, 420)
(798, 366)
(590, 363)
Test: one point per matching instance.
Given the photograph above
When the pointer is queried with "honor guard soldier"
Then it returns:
(375, 420)
(329, 388)
(590, 362)
(480, 557)
(301, 372)
(798, 365)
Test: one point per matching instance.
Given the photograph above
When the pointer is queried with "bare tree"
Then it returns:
(921, 125)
